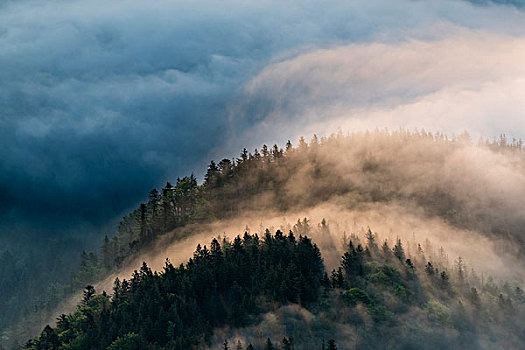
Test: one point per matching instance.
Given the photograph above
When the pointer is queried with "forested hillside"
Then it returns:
(449, 180)
(378, 298)
(380, 167)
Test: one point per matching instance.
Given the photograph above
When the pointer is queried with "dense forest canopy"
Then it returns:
(379, 297)
(404, 183)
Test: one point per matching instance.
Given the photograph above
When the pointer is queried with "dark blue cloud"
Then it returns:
(101, 101)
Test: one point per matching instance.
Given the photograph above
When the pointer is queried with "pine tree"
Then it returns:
(303, 146)
(461, 269)
(429, 269)
(287, 344)
(314, 142)
(89, 292)
(474, 298)
(337, 278)
(331, 345)
(444, 279)
(411, 267)
(386, 251)
(154, 197)
(210, 179)
(265, 152)
(371, 241)
(289, 146)
(276, 152)
(244, 156)
(48, 339)
(353, 261)
(398, 250)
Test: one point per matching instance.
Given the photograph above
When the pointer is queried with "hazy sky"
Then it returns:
(100, 101)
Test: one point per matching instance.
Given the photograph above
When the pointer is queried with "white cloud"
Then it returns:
(470, 80)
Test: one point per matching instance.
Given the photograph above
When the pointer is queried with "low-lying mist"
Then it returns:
(389, 222)
(481, 256)
(414, 186)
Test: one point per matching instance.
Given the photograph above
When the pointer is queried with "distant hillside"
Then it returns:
(449, 178)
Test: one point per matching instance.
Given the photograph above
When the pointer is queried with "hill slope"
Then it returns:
(377, 298)
(419, 187)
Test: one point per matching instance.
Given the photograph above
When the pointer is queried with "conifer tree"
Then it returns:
(474, 298)
(429, 269)
(289, 146)
(264, 151)
(386, 251)
(88, 293)
(154, 198)
(444, 279)
(398, 250)
(371, 241)
(287, 344)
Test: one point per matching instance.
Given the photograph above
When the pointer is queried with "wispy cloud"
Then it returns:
(468, 80)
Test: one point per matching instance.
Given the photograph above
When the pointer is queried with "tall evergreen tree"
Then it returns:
(331, 345)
